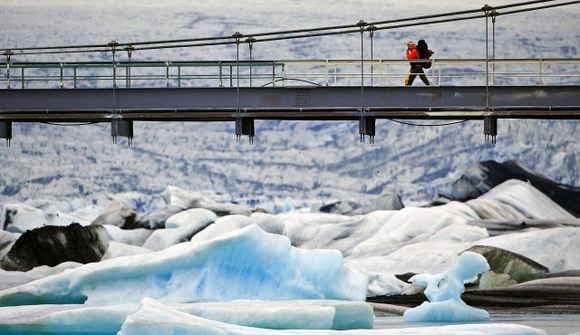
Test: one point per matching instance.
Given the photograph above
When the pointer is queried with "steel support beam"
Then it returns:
(285, 103)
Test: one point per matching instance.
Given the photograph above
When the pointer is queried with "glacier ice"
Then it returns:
(179, 228)
(155, 318)
(245, 264)
(294, 314)
(444, 293)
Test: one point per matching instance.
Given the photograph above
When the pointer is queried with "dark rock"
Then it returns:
(386, 201)
(519, 268)
(156, 219)
(486, 175)
(119, 215)
(540, 292)
(52, 245)
(343, 207)
(405, 276)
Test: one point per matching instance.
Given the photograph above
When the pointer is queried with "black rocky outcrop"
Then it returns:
(488, 174)
(52, 245)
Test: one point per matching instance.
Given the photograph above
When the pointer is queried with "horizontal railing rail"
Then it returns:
(331, 72)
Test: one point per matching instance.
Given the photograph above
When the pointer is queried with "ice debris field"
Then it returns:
(245, 272)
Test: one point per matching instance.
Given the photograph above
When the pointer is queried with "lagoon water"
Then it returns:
(553, 324)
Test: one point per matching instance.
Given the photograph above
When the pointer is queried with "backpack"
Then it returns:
(424, 53)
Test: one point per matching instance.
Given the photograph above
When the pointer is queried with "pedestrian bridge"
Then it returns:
(244, 91)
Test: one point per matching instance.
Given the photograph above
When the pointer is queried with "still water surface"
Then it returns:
(553, 324)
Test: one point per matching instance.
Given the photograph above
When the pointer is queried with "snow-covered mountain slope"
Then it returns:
(302, 160)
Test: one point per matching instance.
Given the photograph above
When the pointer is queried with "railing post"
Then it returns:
(221, 74)
(166, 74)
(250, 41)
(388, 75)
(542, 79)
(61, 76)
(22, 77)
(326, 72)
(489, 121)
(113, 45)
(129, 50)
(8, 54)
(75, 76)
(372, 30)
(381, 83)
(179, 76)
(273, 73)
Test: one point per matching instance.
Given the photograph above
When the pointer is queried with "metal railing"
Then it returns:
(347, 72)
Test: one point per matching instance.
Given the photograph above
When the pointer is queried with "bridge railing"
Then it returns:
(346, 72)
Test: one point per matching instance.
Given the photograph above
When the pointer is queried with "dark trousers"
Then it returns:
(417, 69)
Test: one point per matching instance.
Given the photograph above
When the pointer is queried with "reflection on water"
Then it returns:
(553, 324)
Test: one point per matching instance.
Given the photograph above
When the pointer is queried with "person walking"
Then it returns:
(421, 52)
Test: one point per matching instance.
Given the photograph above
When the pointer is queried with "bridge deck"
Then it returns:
(288, 103)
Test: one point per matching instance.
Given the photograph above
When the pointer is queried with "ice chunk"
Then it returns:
(245, 264)
(156, 318)
(294, 314)
(136, 237)
(117, 249)
(21, 217)
(179, 228)
(444, 293)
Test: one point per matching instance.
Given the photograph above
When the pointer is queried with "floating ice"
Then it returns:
(294, 314)
(155, 318)
(444, 293)
(179, 228)
(245, 264)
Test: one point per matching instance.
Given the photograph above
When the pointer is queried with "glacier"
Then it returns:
(444, 293)
(245, 264)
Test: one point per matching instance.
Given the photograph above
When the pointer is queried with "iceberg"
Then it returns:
(246, 264)
(294, 314)
(444, 293)
(156, 318)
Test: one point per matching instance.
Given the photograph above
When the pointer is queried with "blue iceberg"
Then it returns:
(245, 264)
(444, 293)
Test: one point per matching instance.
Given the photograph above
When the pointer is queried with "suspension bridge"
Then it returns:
(243, 91)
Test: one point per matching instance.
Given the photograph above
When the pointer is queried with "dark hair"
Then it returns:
(423, 49)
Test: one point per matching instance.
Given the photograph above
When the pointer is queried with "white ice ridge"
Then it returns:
(245, 264)
(444, 293)
(154, 318)
(292, 314)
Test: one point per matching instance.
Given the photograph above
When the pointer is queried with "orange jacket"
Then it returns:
(412, 53)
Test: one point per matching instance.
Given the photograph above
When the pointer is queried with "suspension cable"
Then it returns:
(323, 31)
(428, 125)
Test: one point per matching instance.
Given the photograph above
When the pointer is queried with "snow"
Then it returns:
(136, 237)
(179, 228)
(444, 293)
(246, 264)
(517, 200)
(156, 318)
(118, 249)
(22, 217)
(295, 314)
(556, 248)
